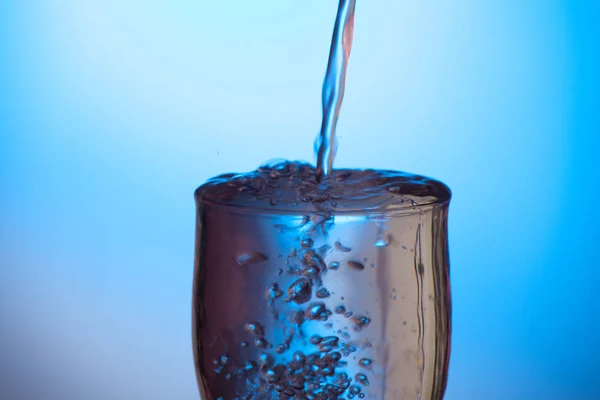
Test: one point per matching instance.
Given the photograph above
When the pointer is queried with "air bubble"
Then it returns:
(328, 343)
(300, 291)
(317, 311)
(355, 265)
(311, 272)
(323, 293)
(340, 247)
(251, 258)
(299, 358)
(354, 389)
(274, 292)
(380, 243)
(281, 348)
(266, 360)
(309, 256)
(366, 363)
(261, 343)
(360, 321)
(296, 317)
(255, 328)
(362, 379)
(324, 249)
(250, 366)
(307, 243)
(316, 339)
(340, 309)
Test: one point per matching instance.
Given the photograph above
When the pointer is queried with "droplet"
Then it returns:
(355, 265)
(323, 293)
(251, 258)
(254, 328)
(300, 291)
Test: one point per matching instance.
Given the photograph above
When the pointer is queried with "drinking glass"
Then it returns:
(294, 304)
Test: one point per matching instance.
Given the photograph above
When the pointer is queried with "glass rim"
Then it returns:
(402, 208)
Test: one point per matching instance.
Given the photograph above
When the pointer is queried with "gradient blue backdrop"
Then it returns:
(112, 112)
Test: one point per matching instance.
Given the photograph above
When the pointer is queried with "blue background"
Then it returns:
(112, 112)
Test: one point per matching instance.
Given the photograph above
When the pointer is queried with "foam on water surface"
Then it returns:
(293, 186)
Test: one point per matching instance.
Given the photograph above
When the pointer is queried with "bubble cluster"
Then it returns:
(280, 372)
